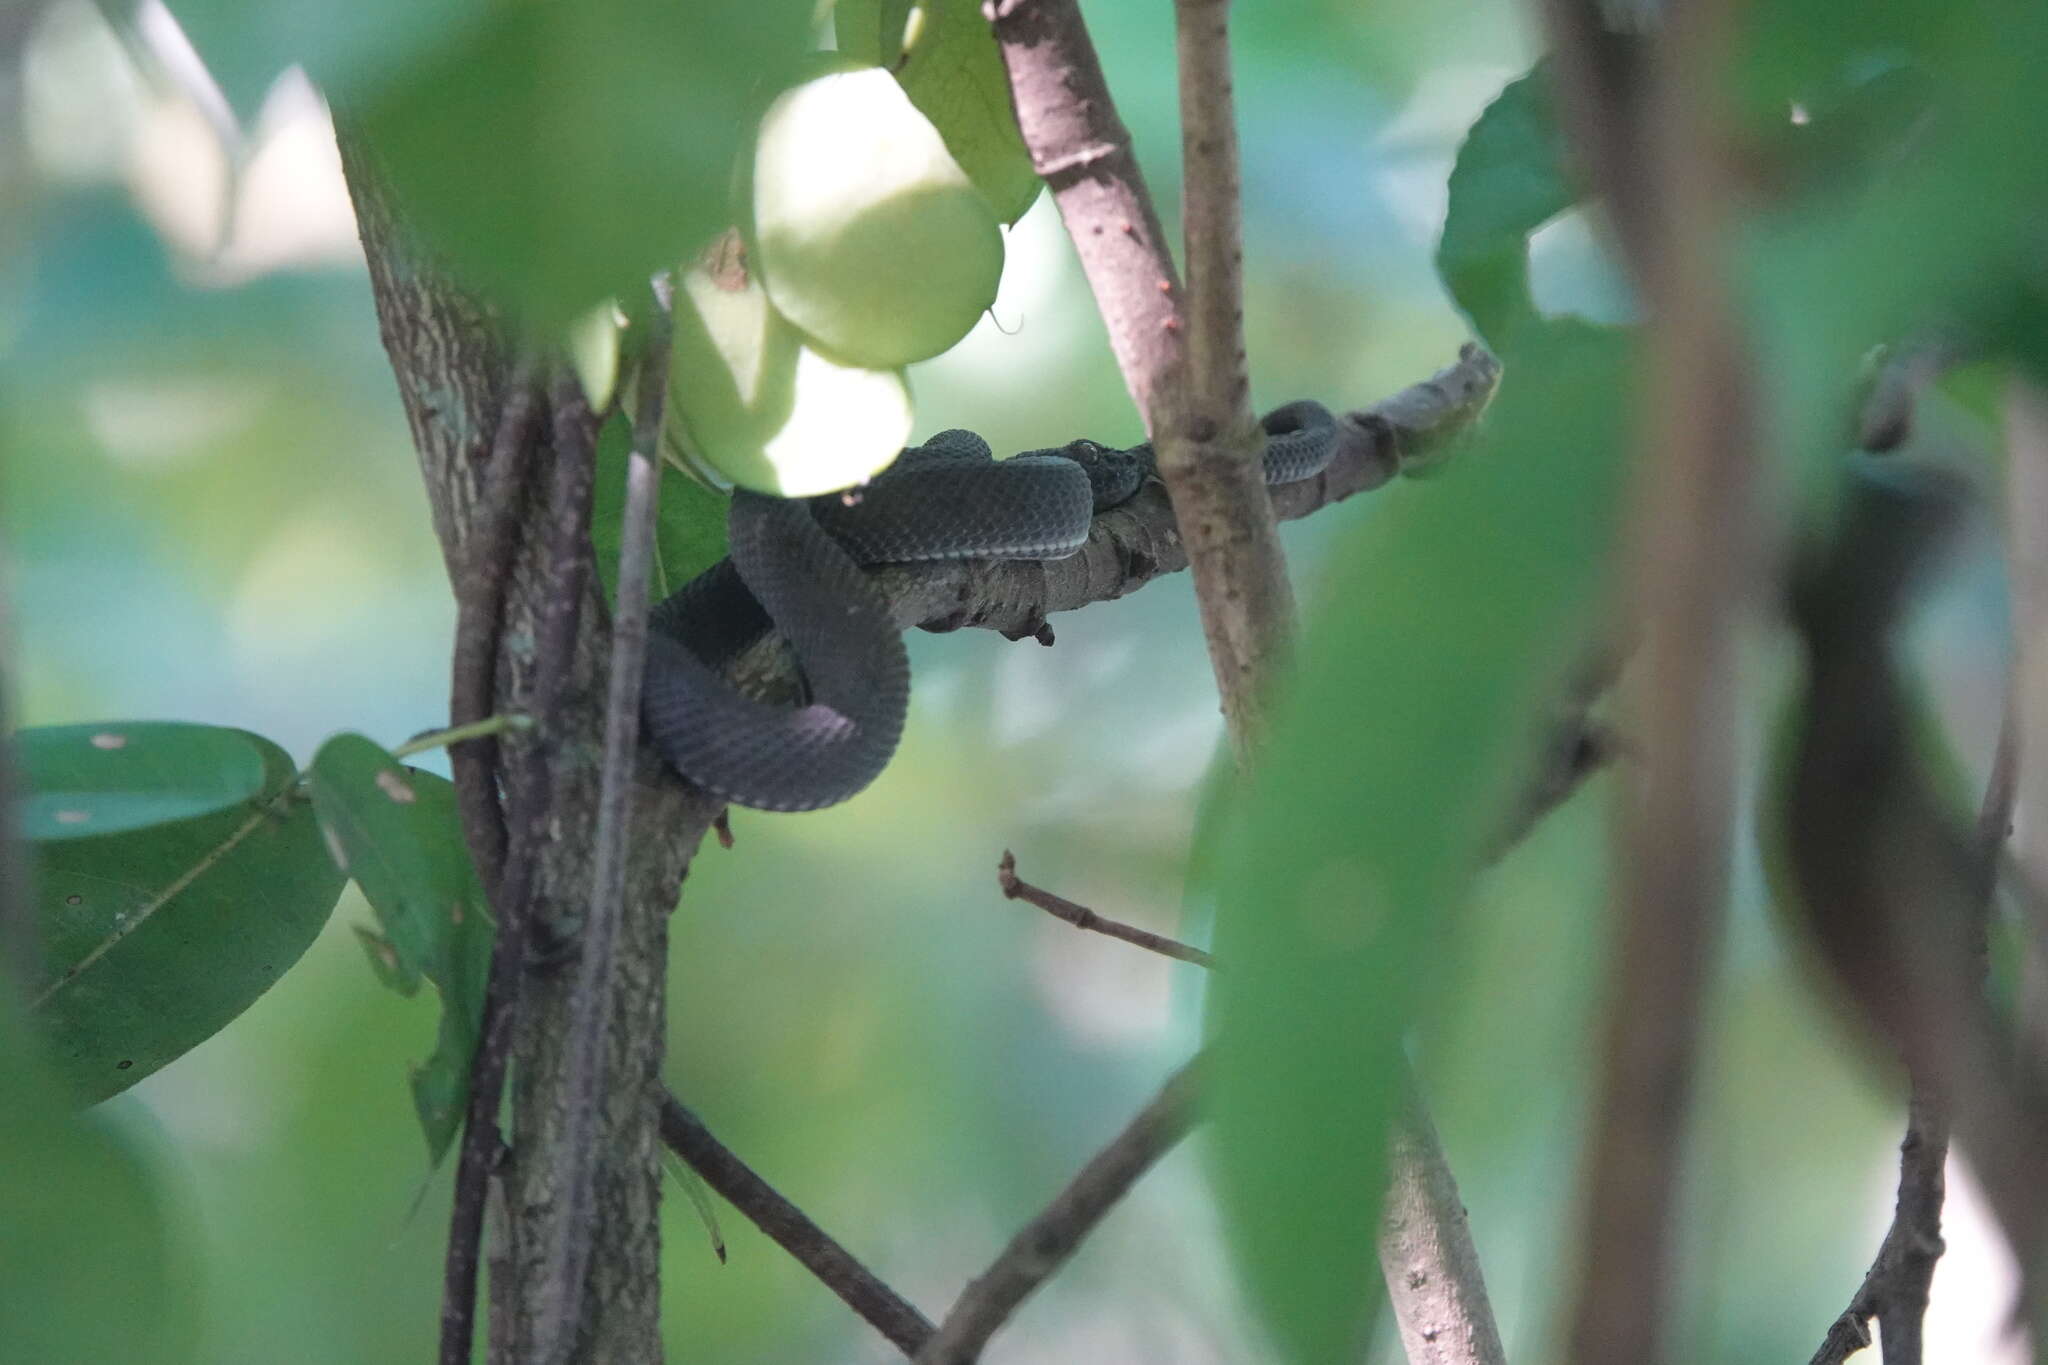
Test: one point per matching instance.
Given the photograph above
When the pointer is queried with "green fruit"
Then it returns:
(752, 403)
(869, 235)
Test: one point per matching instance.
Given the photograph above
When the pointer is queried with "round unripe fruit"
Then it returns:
(867, 233)
(752, 403)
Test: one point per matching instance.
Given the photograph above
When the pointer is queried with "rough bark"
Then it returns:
(451, 359)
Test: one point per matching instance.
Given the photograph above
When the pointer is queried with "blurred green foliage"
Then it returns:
(213, 514)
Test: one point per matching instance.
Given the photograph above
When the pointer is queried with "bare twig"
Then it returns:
(1044, 1244)
(1670, 208)
(479, 618)
(789, 1228)
(591, 1003)
(1081, 917)
(1895, 1289)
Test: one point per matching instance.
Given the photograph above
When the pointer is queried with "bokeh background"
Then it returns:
(212, 513)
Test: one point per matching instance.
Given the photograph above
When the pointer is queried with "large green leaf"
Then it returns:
(954, 74)
(563, 150)
(871, 31)
(87, 780)
(1447, 620)
(91, 1266)
(1901, 225)
(689, 526)
(398, 833)
(155, 935)
(1508, 181)
(246, 43)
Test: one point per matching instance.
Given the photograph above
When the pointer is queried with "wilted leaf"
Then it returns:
(156, 935)
(1445, 623)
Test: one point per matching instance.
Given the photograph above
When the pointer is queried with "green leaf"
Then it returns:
(385, 960)
(92, 1267)
(871, 31)
(1508, 181)
(1878, 247)
(398, 833)
(1447, 621)
(156, 935)
(246, 43)
(689, 528)
(752, 403)
(593, 347)
(564, 150)
(953, 72)
(89, 780)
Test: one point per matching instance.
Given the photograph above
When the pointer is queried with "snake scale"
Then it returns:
(795, 569)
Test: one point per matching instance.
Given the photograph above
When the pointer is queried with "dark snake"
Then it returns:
(795, 570)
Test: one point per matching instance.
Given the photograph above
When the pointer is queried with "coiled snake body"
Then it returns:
(795, 570)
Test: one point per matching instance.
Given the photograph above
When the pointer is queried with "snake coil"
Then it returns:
(795, 570)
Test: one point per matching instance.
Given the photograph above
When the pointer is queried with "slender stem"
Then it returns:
(2026, 501)
(590, 1005)
(1675, 825)
(488, 728)
(1081, 917)
(791, 1229)
(481, 570)
(1044, 1244)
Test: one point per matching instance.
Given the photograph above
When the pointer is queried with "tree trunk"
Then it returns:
(451, 359)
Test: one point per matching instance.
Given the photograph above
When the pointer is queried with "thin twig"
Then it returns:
(1044, 1244)
(488, 728)
(479, 619)
(789, 1228)
(1895, 1289)
(1670, 208)
(590, 1005)
(1081, 917)
(480, 603)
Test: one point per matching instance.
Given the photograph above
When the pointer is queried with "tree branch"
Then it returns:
(1667, 193)
(1081, 917)
(590, 1004)
(451, 362)
(789, 1228)
(1197, 413)
(1045, 1243)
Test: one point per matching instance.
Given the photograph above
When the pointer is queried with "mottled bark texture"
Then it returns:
(452, 360)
